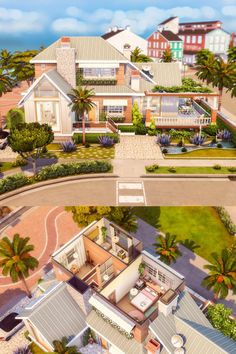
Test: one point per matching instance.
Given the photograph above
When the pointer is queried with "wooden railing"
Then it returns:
(112, 125)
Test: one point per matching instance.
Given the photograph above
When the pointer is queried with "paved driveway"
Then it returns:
(137, 147)
(189, 264)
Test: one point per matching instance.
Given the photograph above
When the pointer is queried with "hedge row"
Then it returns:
(127, 128)
(225, 218)
(18, 180)
(92, 138)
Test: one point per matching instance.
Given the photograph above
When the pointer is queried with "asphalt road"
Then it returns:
(146, 191)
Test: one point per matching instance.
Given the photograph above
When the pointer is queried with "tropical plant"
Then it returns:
(138, 57)
(222, 274)
(16, 260)
(197, 139)
(15, 116)
(89, 337)
(167, 56)
(152, 127)
(219, 316)
(141, 269)
(190, 244)
(23, 350)
(6, 82)
(81, 103)
(68, 146)
(106, 141)
(224, 135)
(29, 140)
(61, 347)
(166, 246)
(124, 217)
(232, 55)
(23, 70)
(137, 117)
(202, 55)
(163, 139)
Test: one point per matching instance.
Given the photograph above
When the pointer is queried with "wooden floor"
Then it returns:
(85, 269)
(125, 304)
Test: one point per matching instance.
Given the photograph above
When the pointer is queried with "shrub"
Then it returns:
(210, 130)
(197, 139)
(219, 146)
(140, 129)
(137, 117)
(13, 182)
(88, 336)
(165, 151)
(217, 167)
(14, 117)
(219, 316)
(92, 138)
(68, 146)
(118, 119)
(152, 168)
(163, 139)
(86, 145)
(222, 125)
(225, 218)
(184, 149)
(180, 134)
(127, 128)
(213, 141)
(224, 135)
(19, 161)
(172, 169)
(152, 128)
(23, 350)
(232, 169)
(106, 141)
(102, 117)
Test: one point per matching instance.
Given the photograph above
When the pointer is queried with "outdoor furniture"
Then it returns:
(121, 254)
(140, 284)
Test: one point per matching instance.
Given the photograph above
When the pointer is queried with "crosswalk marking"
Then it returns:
(130, 185)
(131, 199)
(130, 192)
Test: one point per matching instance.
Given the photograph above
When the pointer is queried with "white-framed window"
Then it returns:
(162, 45)
(115, 110)
(157, 44)
(156, 53)
(211, 39)
(222, 48)
(188, 39)
(99, 72)
(163, 278)
(43, 66)
(199, 39)
(222, 39)
(48, 112)
(149, 44)
(194, 39)
(151, 270)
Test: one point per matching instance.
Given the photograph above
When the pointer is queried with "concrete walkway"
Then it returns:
(137, 147)
(190, 265)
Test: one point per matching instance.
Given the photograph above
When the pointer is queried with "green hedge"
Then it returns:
(92, 138)
(223, 125)
(15, 116)
(54, 171)
(226, 220)
(127, 128)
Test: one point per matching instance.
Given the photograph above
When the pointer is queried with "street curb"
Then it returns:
(55, 181)
(189, 175)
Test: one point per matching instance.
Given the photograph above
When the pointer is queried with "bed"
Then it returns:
(145, 299)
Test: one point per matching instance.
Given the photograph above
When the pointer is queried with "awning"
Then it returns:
(115, 103)
(99, 65)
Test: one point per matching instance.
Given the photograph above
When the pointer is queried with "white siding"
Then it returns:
(217, 41)
(127, 37)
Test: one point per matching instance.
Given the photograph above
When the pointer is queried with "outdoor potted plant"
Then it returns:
(104, 233)
(141, 269)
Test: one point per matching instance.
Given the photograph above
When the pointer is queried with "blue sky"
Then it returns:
(31, 23)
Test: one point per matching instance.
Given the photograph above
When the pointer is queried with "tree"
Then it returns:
(232, 55)
(219, 316)
(6, 82)
(6, 60)
(222, 274)
(138, 57)
(202, 55)
(29, 140)
(23, 69)
(15, 116)
(167, 56)
(166, 247)
(122, 216)
(81, 103)
(152, 127)
(16, 260)
(137, 117)
(61, 347)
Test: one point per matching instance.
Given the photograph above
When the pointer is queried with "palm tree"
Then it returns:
(232, 55)
(222, 274)
(124, 217)
(205, 67)
(6, 83)
(81, 103)
(15, 259)
(166, 247)
(60, 347)
(138, 57)
(6, 59)
(167, 56)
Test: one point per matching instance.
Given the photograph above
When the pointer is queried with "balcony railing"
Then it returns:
(182, 122)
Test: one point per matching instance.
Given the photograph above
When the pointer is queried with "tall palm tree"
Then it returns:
(6, 83)
(222, 274)
(205, 67)
(81, 103)
(61, 347)
(138, 57)
(6, 59)
(167, 248)
(16, 260)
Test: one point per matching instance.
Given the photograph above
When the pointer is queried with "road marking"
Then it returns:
(131, 199)
(130, 192)
(130, 185)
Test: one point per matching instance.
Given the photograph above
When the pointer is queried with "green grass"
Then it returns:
(192, 170)
(36, 350)
(205, 153)
(6, 166)
(200, 224)
(94, 152)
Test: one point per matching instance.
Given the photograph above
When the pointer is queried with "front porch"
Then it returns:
(108, 126)
(182, 122)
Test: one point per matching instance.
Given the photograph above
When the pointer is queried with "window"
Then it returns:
(149, 44)
(188, 39)
(193, 39)
(45, 89)
(162, 44)
(99, 72)
(115, 109)
(217, 39)
(157, 44)
(199, 39)
(151, 270)
(43, 66)
(48, 112)
(163, 278)
(70, 256)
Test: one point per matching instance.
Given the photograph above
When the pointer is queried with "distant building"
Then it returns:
(161, 40)
(233, 40)
(121, 37)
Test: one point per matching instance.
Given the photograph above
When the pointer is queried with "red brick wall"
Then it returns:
(40, 69)
(120, 75)
(156, 46)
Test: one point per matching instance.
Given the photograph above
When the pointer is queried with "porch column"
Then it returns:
(148, 110)
(214, 109)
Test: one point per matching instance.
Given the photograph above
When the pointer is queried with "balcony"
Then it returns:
(182, 121)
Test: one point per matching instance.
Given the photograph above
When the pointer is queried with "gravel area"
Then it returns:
(17, 341)
(137, 147)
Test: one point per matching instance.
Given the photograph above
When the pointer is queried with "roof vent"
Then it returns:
(180, 350)
(128, 27)
(177, 341)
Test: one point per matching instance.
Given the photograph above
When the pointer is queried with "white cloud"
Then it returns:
(140, 21)
(229, 10)
(16, 22)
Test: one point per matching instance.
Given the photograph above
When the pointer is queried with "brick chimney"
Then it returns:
(135, 80)
(66, 66)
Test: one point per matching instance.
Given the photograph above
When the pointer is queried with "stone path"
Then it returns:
(137, 147)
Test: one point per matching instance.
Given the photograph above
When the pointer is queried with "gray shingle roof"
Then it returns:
(59, 81)
(56, 315)
(189, 321)
(87, 48)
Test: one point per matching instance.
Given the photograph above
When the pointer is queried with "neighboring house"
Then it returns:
(233, 40)
(161, 40)
(121, 37)
(129, 310)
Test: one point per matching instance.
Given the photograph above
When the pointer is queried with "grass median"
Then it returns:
(190, 170)
(205, 153)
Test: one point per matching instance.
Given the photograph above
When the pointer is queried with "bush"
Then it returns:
(184, 149)
(19, 162)
(197, 139)
(210, 130)
(106, 141)
(152, 168)
(180, 134)
(222, 125)
(86, 145)
(225, 218)
(163, 139)
(213, 141)
(217, 167)
(102, 117)
(118, 119)
(219, 316)
(165, 151)
(63, 170)
(219, 146)
(23, 350)
(224, 135)
(232, 169)
(127, 128)
(13, 182)
(68, 146)
(140, 129)
(172, 169)
(92, 138)
(14, 117)
(152, 128)
(88, 336)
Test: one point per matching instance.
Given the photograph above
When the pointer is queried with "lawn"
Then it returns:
(94, 152)
(36, 350)
(192, 170)
(5, 166)
(200, 224)
(205, 153)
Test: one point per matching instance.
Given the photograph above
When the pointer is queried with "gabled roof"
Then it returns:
(56, 315)
(200, 23)
(189, 322)
(195, 31)
(168, 20)
(111, 33)
(170, 36)
(86, 49)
